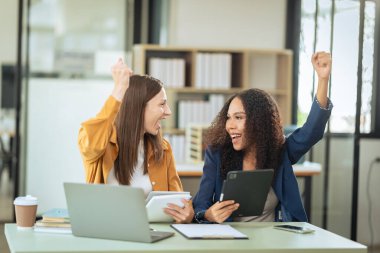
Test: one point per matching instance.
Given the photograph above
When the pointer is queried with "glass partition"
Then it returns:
(69, 50)
(76, 38)
(324, 27)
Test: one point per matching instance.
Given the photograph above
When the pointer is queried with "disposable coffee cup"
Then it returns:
(26, 209)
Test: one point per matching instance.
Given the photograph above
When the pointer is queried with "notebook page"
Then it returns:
(205, 231)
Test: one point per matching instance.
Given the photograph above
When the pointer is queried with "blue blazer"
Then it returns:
(290, 207)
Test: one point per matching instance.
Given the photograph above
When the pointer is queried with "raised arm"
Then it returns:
(120, 75)
(97, 132)
(322, 65)
(301, 140)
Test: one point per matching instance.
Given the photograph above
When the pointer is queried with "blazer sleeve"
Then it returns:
(96, 133)
(303, 138)
(205, 196)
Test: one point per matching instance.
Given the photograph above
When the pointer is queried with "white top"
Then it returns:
(268, 212)
(138, 178)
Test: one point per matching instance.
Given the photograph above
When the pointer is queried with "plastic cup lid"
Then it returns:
(28, 200)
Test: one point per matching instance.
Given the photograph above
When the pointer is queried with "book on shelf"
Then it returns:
(170, 71)
(178, 142)
(198, 111)
(213, 70)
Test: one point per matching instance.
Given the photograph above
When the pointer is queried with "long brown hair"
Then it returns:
(130, 127)
(263, 130)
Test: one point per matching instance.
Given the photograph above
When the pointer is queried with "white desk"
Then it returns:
(301, 170)
(262, 238)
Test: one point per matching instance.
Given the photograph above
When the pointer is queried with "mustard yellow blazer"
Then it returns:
(98, 146)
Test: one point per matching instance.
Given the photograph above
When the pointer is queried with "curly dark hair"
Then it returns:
(263, 130)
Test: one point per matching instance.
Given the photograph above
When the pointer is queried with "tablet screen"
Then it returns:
(249, 189)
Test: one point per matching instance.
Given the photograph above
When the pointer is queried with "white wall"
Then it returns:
(56, 107)
(8, 32)
(317, 184)
(226, 23)
(340, 188)
(340, 185)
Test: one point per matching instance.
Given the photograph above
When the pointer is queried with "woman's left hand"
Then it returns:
(183, 214)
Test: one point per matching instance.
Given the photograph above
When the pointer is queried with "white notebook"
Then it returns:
(208, 231)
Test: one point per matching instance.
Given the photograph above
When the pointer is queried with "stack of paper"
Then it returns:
(54, 221)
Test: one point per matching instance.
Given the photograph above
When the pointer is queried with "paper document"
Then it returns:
(208, 231)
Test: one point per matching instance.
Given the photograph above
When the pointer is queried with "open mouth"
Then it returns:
(235, 137)
(158, 124)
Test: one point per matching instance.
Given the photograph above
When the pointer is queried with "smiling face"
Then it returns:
(156, 109)
(235, 124)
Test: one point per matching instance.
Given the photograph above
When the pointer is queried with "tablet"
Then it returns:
(155, 206)
(159, 193)
(249, 189)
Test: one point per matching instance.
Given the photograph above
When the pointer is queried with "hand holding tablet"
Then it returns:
(249, 189)
(157, 201)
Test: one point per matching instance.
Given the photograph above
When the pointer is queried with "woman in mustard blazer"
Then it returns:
(123, 143)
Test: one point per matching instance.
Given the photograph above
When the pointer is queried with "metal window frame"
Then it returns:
(292, 42)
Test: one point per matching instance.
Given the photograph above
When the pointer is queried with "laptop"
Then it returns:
(110, 212)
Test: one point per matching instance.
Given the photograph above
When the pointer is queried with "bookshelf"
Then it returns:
(199, 80)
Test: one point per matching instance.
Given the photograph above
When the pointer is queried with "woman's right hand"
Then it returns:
(120, 75)
(220, 211)
(322, 65)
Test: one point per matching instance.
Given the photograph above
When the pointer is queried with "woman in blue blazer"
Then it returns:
(247, 135)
